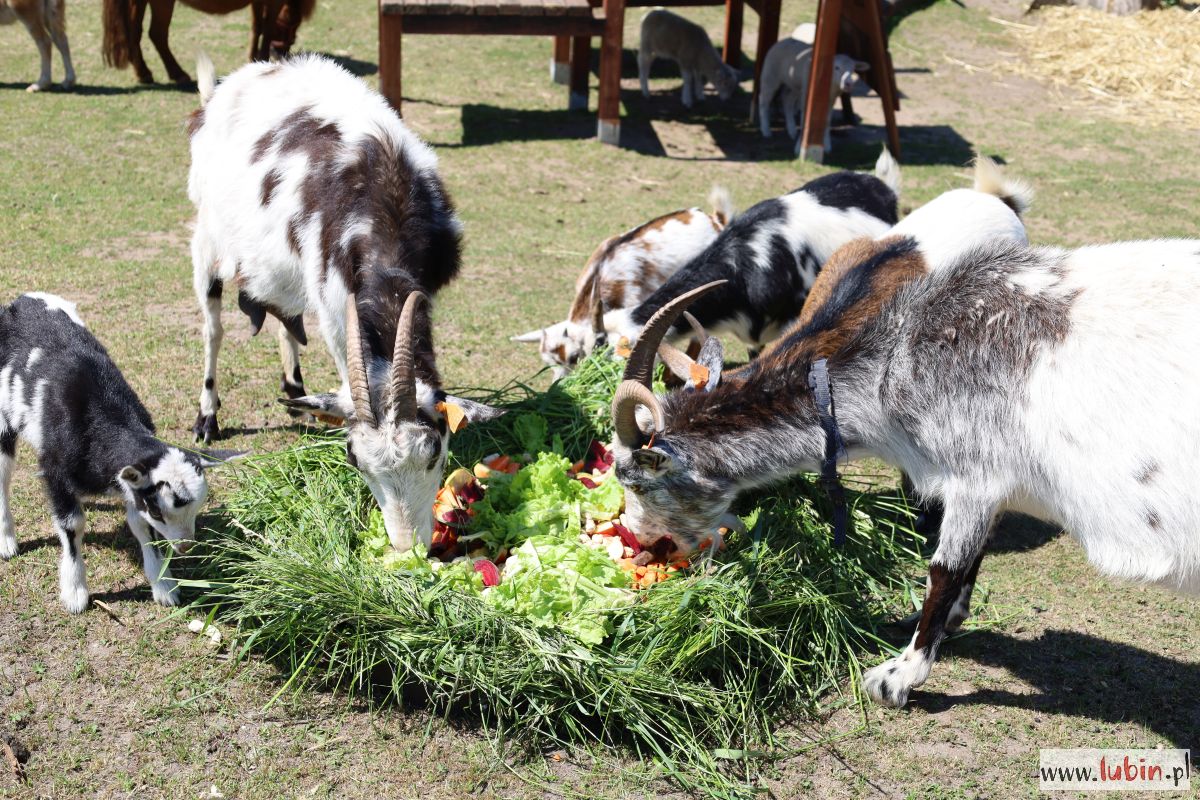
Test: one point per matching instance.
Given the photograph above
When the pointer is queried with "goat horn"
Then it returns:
(630, 395)
(360, 391)
(698, 332)
(677, 361)
(404, 376)
(597, 311)
(640, 367)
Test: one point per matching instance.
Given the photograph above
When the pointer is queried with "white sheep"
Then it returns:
(787, 67)
(668, 35)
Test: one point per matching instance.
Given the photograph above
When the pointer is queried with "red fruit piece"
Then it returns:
(627, 537)
(488, 571)
(586, 481)
(599, 458)
(457, 517)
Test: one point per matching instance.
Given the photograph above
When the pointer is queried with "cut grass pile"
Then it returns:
(696, 674)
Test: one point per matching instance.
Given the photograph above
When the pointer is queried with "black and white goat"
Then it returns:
(622, 272)
(1003, 377)
(311, 194)
(62, 394)
(770, 254)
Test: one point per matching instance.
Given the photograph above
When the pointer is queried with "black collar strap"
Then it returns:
(822, 389)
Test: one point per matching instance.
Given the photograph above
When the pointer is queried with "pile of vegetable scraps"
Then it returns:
(538, 536)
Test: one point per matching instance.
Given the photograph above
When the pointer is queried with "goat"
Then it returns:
(310, 193)
(46, 21)
(671, 36)
(622, 272)
(62, 394)
(986, 379)
(787, 67)
(771, 254)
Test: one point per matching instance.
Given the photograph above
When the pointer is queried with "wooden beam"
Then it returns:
(816, 106)
(608, 127)
(768, 34)
(734, 10)
(390, 31)
(560, 66)
(581, 63)
(502, 25)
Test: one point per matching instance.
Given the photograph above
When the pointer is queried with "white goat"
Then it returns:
(668, 35)
(787, 67)
(311, 194)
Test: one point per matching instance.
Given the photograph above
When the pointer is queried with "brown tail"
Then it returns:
(116, 42)
(307, 7)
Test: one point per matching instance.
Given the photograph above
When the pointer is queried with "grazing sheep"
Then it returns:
(46, 21)
(61, 393)
(622, 272)
(787, 67)
(668, 35)
(311, 194)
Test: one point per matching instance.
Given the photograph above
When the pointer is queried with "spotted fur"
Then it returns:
(63, 396)
(308, 188)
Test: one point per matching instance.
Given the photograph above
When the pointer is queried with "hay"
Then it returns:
(1144, 67)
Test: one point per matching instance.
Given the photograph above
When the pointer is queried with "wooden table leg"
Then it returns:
(881, 61)
(768, 34)
(581, 62)
(560, 69)
(811, 146)
(390, 30)
(608, 127)
(734, 12)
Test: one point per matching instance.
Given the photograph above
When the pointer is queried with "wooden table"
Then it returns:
(574, 21)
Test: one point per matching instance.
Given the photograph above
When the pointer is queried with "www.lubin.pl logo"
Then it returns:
(1103, 770)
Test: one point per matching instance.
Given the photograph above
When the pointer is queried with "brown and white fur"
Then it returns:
(311, 194)
(1002, 377)
(623, 271)
(668, 35)
(46, 21)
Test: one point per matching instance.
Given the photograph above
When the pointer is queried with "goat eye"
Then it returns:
(153, 510)
(350, 456)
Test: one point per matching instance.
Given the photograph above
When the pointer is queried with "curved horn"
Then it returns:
(597, 312)
(698, 333)
(630, 395)
(360, 391)
(404, 377)
(640, 366)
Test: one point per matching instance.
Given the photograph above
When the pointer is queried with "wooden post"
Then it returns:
(390, 30)
(734, 11)
(768, 34)
(581, 58)
(560, 69)
(881, 63)
(608, 126)
(811, 146)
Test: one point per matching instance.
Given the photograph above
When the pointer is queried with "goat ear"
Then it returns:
(327, 404)
(135, 477)
(529, 336)
(652, 460)
(861, 66)
(712, 358)
(473, 411)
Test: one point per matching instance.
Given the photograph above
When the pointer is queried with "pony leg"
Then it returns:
(161, 12)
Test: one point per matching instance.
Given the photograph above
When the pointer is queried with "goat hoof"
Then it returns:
(206, 429)
(75, 599)
(883, 688)
(164, 596)
(8, 546)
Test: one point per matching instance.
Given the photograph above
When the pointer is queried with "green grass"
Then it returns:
(695, 677)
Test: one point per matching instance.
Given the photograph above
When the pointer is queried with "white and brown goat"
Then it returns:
(622, 272)
(1003, 377)
(46, 21)
(311, 194)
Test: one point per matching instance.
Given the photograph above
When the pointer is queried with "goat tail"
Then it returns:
(990, 179)
(722, 205)
(206, 77)
(117, 16)
(887, 169)
(307, 7)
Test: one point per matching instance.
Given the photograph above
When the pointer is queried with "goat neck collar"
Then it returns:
(822, 389)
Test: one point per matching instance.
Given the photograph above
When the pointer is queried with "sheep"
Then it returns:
(771, 254)
(986, 377)
(622, 272)
(311, 194)
(787, 67)
(671, 36)
(61, 394)
(46, 21)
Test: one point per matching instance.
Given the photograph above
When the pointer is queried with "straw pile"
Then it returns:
(1144, 67)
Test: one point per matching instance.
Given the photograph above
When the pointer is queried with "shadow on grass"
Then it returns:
(352, 65)
(87, 90)
(1086, 676)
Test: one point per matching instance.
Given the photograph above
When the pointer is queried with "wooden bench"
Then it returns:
(575, 21)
